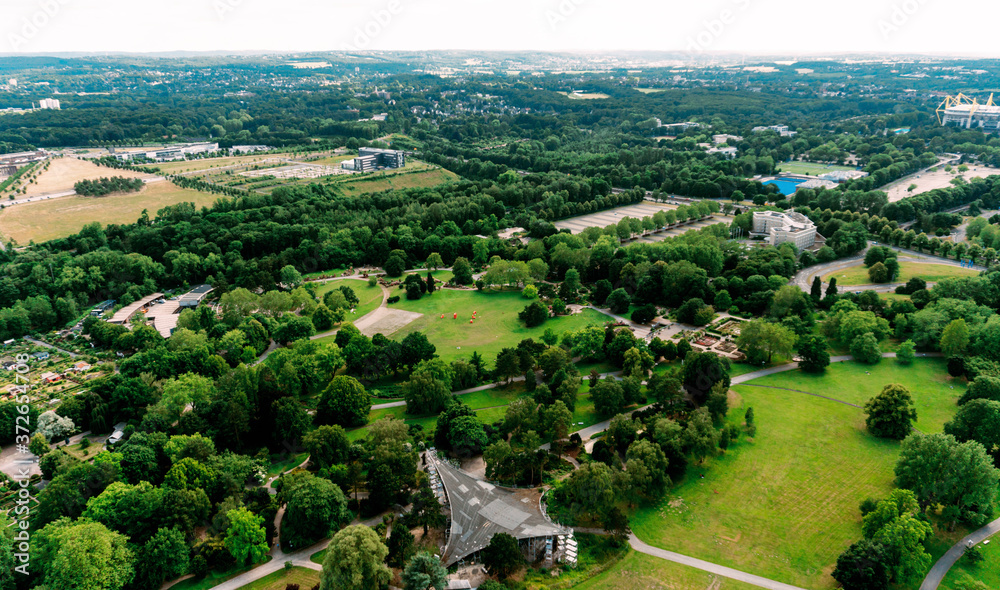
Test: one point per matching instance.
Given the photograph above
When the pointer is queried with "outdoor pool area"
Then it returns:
(786, 186)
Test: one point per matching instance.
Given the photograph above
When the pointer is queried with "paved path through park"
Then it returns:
(940, 569)
(719, 570)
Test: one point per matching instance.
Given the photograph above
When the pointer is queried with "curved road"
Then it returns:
(804, 278)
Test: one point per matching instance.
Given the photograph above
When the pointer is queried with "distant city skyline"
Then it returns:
(696, 28)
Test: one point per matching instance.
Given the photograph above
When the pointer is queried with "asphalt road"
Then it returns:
(940, 569)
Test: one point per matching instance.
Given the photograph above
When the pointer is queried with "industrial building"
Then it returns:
(965, 112)
(9, 163)
(784, 226)
(374, 158)
(49, 103)
(165, 154)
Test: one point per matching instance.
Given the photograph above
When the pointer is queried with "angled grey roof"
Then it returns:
(480, 510)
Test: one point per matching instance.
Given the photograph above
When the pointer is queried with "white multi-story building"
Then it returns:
(784, 226)
(49, 103)
(728, 152)
(782, 130)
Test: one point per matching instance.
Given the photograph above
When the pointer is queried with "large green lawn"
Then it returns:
(279, 580)
(930, 272)
(934, 392)
(490, 405)
(810, 168)
(496, 324)
(986, 571)
(369, 297)
(785, 505)
(640, 571)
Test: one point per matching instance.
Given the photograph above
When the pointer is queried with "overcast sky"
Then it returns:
(743, 26)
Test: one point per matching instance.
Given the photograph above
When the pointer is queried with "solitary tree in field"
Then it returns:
(891, 413)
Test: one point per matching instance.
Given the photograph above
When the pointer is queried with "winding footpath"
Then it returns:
(705, 566)
(940, 569)
(937, 573)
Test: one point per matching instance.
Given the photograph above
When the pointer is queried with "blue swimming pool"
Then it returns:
(786, 186)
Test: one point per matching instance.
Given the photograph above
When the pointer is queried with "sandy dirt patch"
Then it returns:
(385, 321)
(937, 179)
(63, 173)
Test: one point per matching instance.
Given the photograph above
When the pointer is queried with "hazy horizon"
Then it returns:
(750, 27)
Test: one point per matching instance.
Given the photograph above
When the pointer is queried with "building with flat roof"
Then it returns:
(784, 226)
(49, 103)
(781, 130)
(727, 152)
(374, 158)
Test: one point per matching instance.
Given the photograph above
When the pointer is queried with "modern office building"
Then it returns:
(374, 158)
(784, 226)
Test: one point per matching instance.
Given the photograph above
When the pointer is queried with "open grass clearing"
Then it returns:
(496, 326)
(353, 186)
(490, 405)
(638, 570)
(64, 172)
(987, 571)
(180, 166)
(935, 393)
(928, 271)
(214, 578)
(785, 505)
(810, 168)
(279, 580)
(282, 463)
(58, 218)
(369, 297)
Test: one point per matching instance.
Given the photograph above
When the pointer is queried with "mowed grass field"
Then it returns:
(179, 166)
(58, 218)
(495, 328)
(935, 393)
(423, 179)
(928, 271)
(785, 505)
(369, 297)
(640, 571)
(810, 168)
(986, 571)
(279, 580)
